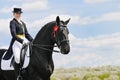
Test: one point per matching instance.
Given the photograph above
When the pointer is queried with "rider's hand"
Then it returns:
(26, 42)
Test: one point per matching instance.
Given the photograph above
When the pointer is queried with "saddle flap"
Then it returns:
(6, 63)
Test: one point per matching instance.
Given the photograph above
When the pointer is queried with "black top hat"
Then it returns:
(17, 10)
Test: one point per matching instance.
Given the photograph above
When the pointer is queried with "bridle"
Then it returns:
(40, 46)
(56, 37)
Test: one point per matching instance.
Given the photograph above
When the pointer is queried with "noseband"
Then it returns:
(59, 44)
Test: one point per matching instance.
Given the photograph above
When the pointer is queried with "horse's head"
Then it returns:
(61, 35)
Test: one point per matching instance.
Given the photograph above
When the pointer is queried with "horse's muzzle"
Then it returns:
(65, 49)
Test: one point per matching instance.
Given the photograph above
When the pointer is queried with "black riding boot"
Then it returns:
(17, 68)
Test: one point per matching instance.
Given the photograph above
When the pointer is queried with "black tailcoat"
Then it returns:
(15, 29)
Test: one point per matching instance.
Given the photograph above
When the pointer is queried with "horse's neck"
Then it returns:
(44, 36)
(41, 58)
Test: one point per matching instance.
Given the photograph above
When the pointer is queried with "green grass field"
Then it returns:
(97, 73)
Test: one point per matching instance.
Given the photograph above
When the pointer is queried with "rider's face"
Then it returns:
(17, 15)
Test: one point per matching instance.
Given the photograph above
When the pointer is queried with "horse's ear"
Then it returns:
(58, 20)
(66, 22)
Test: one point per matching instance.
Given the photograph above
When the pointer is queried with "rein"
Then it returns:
(43, 47)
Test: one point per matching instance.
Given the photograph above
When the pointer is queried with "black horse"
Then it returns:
(41, 63)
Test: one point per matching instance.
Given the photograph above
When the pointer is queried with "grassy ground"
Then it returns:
(98, 73)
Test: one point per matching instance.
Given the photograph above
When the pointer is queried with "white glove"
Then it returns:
(26, 42)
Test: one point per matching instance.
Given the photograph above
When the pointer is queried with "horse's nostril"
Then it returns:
(66, 50)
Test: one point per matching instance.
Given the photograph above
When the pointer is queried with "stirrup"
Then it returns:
(19, 77)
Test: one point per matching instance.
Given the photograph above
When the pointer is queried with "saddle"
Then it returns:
(8, 60)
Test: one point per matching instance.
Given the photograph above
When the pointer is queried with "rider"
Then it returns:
(20, 36)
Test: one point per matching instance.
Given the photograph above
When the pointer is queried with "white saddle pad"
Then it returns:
(5, 64)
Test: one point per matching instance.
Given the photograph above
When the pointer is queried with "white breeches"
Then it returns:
(17, 46)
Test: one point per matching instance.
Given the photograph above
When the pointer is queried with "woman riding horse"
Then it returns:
(20, 36)
(41, 64)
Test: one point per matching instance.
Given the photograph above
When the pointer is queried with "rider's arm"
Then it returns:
(27, 35)
(13, 32)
